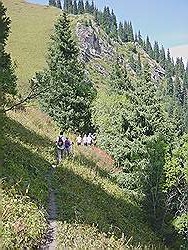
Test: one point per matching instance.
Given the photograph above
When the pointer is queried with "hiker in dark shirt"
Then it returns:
(67, 146)
(60, 146)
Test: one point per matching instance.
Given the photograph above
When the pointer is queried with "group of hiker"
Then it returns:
(86, 140)
(64, 144)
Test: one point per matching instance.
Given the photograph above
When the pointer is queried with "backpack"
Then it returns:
(67, 143)
(60, 141)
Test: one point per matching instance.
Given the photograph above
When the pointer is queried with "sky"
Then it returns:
(165, 21)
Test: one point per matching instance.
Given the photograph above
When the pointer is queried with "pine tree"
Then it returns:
(87, 7)
(178, 93)
(121, 32)
(65, 5)
(156, 53)
(169, 86)
(52, 3)
(149, 49)
(7, 74)
(179, 67)
(140, 41)
(169, 65)
(130, 32)
(113, 30)
(106, 20)
(80, 7)
(126, 31)
(75, 8)
(138, 65)
(70, 6)
(67, 93)
(162, 57)
(92, 7)
(59, 4)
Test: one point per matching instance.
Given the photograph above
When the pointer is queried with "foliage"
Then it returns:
(7, 75)
(94, 203)
(24, 174)
(176, 174)
(23, 223)
(66, 91)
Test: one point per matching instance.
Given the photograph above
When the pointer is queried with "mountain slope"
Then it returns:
(90, 205)
(30, 32)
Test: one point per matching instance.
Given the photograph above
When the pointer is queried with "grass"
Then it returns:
(30, 32)
(28, 155)
(97, 212)
(89, 201)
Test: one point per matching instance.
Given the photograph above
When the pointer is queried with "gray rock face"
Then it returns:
(91, 45)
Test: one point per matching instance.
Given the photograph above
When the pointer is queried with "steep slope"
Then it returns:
(92, 210)
(30, 32)
(90, 204)
(31, 28)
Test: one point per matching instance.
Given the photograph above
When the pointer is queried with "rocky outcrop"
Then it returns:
(91, 44)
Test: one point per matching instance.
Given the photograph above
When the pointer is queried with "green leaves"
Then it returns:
(69, 93)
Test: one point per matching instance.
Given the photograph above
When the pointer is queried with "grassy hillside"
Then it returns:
(30, 31)
(93, 212)
(90, 204)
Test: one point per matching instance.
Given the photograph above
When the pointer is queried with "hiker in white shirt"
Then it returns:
(84, 140)
(79, 140)
(89, 139)
(60, 147)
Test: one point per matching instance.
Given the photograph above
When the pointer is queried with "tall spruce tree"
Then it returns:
(140, 41)
(149, 49)
(162, 57)
(130, 32)
(58, 4)
(113, 29)
(156, 53)
(65, 5)
(52, 3)
(87, 7)
(80, 7)
(67, 93)
(7, 74)
(75, 7)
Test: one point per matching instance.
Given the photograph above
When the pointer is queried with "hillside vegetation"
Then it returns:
(130, 193)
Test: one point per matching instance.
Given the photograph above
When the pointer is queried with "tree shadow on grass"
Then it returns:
(17, 130)
(93, 165)
(85, 202)
(25, 170)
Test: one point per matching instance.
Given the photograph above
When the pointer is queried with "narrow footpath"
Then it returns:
(49, 242)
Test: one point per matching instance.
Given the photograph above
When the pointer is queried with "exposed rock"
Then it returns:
(91, 45)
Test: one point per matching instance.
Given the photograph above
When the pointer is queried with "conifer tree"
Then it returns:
(140, 41)
(149, 49)
(68, 93)
(162, 57)
(7, 74)
(121, 32)
(87, 7)
(156, 53)
(130, 32)
(59, 4)
(52, 3)
(70, 6)
(113, 31)
(75, 8)
(126, 31)
(92, 7)
(179, 67)
(106, 20)
(80, 7)
(65, 5)
(138, 65)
